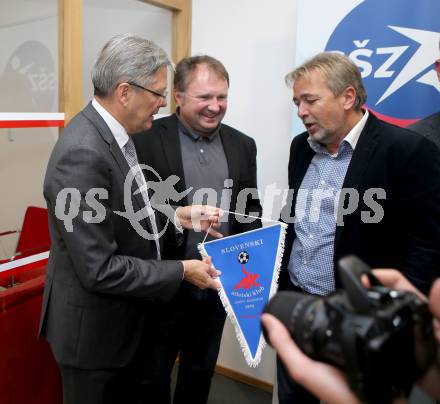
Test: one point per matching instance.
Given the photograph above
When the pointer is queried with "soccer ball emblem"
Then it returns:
(243, 257)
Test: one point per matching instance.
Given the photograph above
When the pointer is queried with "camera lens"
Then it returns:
(291, 308)
(309, 324)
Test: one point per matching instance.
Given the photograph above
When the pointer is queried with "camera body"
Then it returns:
(382, 338)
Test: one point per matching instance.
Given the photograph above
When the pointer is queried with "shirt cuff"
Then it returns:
(183, 273)
(176, 222)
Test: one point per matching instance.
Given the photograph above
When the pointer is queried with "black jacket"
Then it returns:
(159, 148)
(407, 167)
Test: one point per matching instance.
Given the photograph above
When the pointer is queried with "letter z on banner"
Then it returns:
(250, 264)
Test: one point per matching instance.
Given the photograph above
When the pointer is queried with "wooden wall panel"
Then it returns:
(70, 57)
(71, 47)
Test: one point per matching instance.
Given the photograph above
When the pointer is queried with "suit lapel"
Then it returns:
(232, 155)
(170, 139)
(362, 156)
(117, 154)
(233, 159)
(108, 137)
(365, 147)
(301, 162)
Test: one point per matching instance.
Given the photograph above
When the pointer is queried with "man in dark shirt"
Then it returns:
(215, 164)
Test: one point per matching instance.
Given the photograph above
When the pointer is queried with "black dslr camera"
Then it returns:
(382, 338)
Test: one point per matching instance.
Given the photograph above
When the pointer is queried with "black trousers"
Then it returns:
(108, 386)
(289, 391)
(190, 326)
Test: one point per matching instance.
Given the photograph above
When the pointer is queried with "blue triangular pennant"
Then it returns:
(250, 264)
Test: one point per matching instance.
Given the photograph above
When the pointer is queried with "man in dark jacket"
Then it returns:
(213, 163)
(360, 186)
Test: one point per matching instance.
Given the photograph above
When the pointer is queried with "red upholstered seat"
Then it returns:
(34, 234)
(28, 371)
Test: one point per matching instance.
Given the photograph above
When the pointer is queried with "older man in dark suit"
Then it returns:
(104, 267)
(212, 160)
(430, 126)
(360, 186)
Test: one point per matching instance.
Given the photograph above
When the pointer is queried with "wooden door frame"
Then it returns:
(71, 48)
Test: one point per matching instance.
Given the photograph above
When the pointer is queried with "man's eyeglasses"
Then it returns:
(147, 89)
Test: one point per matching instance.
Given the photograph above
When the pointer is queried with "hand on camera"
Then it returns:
(329, 383)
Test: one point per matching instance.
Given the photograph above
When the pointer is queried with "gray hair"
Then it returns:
(339, 71)
(188, 65)
(124, 58)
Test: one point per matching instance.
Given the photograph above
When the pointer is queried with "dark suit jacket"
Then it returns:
(407, 167)
(160, 148)
(101, 275)
(429, 127)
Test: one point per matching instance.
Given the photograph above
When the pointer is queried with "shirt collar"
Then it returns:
(353, 135)
(186, 130)
(351, 138)
(118, 131)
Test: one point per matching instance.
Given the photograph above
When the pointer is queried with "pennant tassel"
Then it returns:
(252, 360)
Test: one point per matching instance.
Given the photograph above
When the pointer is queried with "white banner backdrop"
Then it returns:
(394, 43)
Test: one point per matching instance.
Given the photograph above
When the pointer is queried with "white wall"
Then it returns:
(106, 18)
(28, 82)
(255, 40)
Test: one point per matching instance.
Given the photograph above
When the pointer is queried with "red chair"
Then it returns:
(28, 371)
(34, 235)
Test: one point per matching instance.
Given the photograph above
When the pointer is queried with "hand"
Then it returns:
(391, 278)
(434, 305)
(200, 217)
(430, 381)
(201, 273)
(394, 279)
(324, 381)
(328, 382)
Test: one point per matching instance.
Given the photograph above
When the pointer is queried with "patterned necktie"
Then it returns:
(131, 157)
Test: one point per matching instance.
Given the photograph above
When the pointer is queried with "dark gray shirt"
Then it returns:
(205, 168)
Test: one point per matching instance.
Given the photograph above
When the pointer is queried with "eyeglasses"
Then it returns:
(150, 91)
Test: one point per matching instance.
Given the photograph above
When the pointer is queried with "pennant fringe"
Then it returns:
(250, 360)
